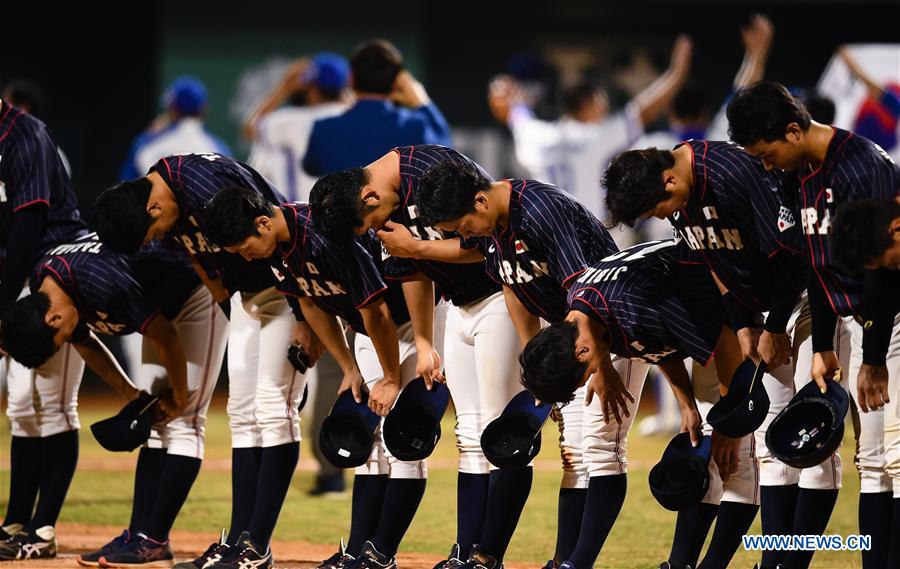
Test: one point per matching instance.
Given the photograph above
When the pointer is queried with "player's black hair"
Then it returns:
(576, 96)
(231, 215)
(861, 233)
(762, 112)
(119, 215)
(447, 191)
(550, 369)
(26, 95)
(690, 103)
(375, 65)
(335, 203)
(25, 335)
(821, 108)
(634, 183)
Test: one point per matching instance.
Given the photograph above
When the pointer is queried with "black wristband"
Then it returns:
(739, 316)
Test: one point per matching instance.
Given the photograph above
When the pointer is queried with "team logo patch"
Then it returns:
(829, 197)
(491, 249)
(520, 247)
(785, 219)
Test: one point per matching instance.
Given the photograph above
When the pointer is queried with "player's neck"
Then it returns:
(500, 194)
(160, 189)
(818, 139)
(684, 164)
(279, 223)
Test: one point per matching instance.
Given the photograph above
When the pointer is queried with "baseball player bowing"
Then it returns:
(330, 280)
(264, 388)
(536, 239)
(645, 305)
(738, 220)
(82, 287)
(479, 342)
(38, 207)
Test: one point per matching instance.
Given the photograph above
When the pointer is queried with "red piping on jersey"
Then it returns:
(168, 168)
(570, 277)
(32, 202)
(149, 318)
(606, 305)
(371, 297)
(180, 159)
(8, 109)
(8, 130)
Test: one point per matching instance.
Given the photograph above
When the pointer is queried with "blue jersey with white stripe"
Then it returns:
(550, 239)
(339, 278)
(737, 219)
(104, 288)
(31, 173)
(195, 179)
(655, 308)
(459, 283)
(854, 168)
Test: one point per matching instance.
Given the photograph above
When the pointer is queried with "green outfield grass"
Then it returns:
(101, 494)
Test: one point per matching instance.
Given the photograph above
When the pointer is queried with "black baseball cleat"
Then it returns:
(667, 565)
(37, 544)
(551, 564)
(453, 561)
(339, 560)
(92, 559)
(139, 551)
(245, 554)
(10, 531)
(213, 554)
(478, 559)
(371, 558)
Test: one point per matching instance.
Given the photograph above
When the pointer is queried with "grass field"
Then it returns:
(101, 494)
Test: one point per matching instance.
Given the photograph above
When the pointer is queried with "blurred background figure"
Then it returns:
(878, 115)
(279, 127)
(178, 130)
(573, 151)
(31, 98)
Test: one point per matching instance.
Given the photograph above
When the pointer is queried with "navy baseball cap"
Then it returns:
(744, 408)
(514, 438)
(328, 71)
(681, 477)
(186, 94)
(348, 432)
(413, 427)
(130, 428)
(811, 427)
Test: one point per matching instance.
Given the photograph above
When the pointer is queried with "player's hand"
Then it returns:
(824, 364)
(691, 423)
(428, 366)
(408, 92)
(757, 36)
(872, 387)
(748, 338)
(398, 240)
(682, 52)
(173, 404)
(383, 396)
(725, 453)
(353, 381)
(614, 396)
(304, 335)
(774, 349)
(503, 93)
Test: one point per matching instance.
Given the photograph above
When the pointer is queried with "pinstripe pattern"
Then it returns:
(550, 239)
(340, 279)
(459, 283)
(737, 218)
(101, 284)
(854, 168)
(31, 172)
(655, 308)
(195, 179)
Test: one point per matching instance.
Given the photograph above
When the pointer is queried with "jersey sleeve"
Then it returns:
(29, 177)
(399, 269)
(356, 272)
(122, 293)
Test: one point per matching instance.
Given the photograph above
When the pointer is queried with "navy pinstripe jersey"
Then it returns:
(655, 308)
(195, 179)
(854, 168)
(459, 283)
(737, 218)
(32, 172)
(339, 278)
(549, 240)
(109, 298)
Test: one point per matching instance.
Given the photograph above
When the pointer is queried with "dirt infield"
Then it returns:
(79, 538)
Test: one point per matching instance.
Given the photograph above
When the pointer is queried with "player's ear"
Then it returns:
(369, 195)
(894, 228)
(53, 318)
(793, 133)
(263, 222)
(481, 200)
